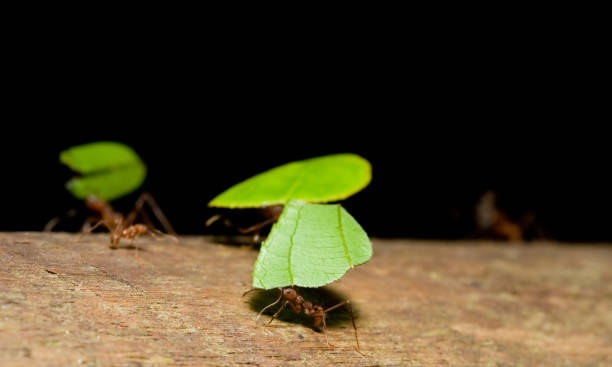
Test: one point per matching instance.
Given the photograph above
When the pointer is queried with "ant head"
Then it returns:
(115, 238)
(94, 204)
(289, 293)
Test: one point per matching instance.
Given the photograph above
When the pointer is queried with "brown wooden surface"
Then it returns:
(69, 301)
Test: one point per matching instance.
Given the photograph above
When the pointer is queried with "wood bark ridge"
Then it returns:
(66, 300)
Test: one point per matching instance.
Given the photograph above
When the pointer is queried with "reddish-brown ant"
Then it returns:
(121, 227)
(298, 304)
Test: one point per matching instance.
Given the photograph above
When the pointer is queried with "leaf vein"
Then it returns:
(344, 244)
(297, 221)
(296, 183)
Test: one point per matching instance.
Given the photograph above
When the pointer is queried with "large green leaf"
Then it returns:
(315, 180)
(311, 245)
(110, 170)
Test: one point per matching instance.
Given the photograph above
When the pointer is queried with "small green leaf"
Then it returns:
(311, 245)
(110, 170)
(315, 180)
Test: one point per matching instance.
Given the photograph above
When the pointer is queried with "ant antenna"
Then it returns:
(249, 291)
(280, 296)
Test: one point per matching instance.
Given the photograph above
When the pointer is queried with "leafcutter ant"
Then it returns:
(289, 296)
(122, 227)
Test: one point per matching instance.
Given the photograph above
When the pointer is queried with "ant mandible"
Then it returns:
(121, 227)
(298, 304)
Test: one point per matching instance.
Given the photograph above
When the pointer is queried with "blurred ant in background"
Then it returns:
(493, 221)
(264, 217)
(120, 226)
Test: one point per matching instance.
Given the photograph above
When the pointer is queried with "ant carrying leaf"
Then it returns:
(316, 180)
(311, 245)
(110, 170)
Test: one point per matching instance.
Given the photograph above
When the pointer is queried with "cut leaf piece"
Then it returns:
(311, 245)
(108, 185)
(110, 170)
(315, 180)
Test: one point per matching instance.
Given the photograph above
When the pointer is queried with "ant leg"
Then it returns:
(52, 223)
(100, 222)
(87, 227)
(278, 312)
(350, 308)
(256, 227)
(138, 206)
(55, 220)
(213, 219)
(346, 303)
(148, 223)
(145, 218)
(147, 198)
(88, 230)
(336, 306)
(272, 213)
(172, 237)
(219, 217)
(155, 231)
(325, 332)
(280, 296)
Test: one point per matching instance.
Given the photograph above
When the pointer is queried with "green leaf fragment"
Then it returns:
(108, 185)
(311, 245)
(110, 170)
(316, 180)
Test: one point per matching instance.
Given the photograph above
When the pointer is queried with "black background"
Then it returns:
(440, 126)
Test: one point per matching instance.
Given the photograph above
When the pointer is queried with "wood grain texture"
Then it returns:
(68, 301)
